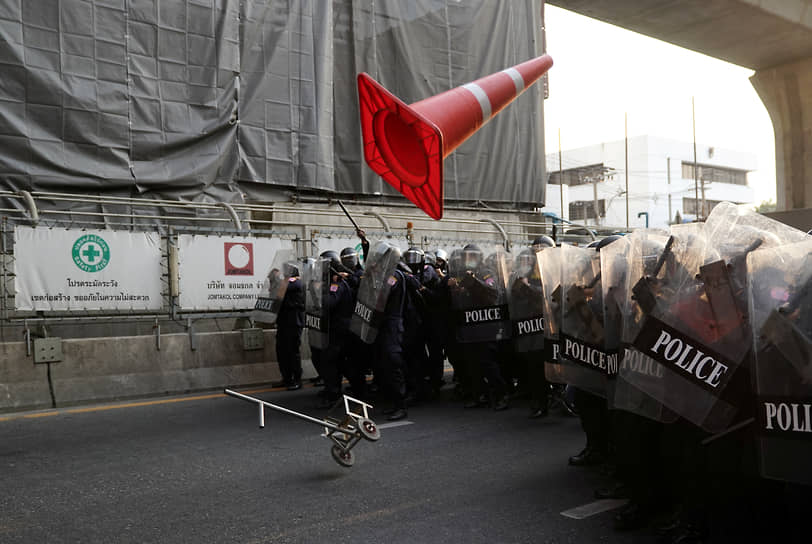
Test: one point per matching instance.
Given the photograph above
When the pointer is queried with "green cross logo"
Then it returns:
(91, 253)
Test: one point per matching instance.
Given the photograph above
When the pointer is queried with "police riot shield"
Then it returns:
(316, 278)
(373, 292)
(283, 268)
(583, 356)
(613, 262)
(549, 263)
(780, 307)
(479, 301)
(644, 257)
(697, 331)
(526, 303)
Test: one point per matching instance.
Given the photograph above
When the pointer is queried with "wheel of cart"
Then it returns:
(343, 457)
(368, 429)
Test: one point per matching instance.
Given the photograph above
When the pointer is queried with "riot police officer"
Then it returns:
(339, 306)
(526, 305)
(424, 374)
(289, 325)
(592, 408)
(479, 300)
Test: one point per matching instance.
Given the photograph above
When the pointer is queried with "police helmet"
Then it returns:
(430, 258)
(335, 260)
(414, 258)
(598, 245)
(471, 257)
(331, 255)
(414, 255)
(541, 242)
(455, 260)
(525, 262)
(349, 257)
(290, 269)
(442, 255)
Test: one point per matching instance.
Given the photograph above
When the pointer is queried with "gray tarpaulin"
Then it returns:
(233, 99)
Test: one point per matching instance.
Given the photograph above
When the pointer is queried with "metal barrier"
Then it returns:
(301, 222)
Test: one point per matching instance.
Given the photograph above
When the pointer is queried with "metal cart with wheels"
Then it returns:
(344, 431)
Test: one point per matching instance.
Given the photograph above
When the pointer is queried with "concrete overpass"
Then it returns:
(773, 37)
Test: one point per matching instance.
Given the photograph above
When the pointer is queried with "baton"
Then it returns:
(354, 224)
(661, 260)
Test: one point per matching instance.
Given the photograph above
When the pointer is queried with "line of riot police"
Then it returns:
(684, 346)
(689, 352)
(401, 315)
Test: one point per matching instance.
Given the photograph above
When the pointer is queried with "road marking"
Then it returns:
(592, 508)
(41, 414)
(395, 424)
(137, 404)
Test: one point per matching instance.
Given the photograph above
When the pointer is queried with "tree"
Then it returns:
(766, 206)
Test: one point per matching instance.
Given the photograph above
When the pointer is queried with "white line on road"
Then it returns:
(592, 508)
(395, 424)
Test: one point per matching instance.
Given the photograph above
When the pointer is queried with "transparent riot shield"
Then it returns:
(479, 301)
(780, 307)
(634, 296)
(697, 331)
(316, 278)
(583, 359)
(373, 292)
(549, 262)
(614, 273)
(283, 267)
(526, 303)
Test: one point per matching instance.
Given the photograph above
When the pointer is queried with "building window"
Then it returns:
(689, 206)
(585, 209)
(579, 176)
(718, 174)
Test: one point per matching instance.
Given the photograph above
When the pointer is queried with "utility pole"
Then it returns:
(668, 171)
(595, 180)
(696, 170)
(626, 132)
(560, 178)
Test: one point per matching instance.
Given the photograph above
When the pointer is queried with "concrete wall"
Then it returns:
(111, 368)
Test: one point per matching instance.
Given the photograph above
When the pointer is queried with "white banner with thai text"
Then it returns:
(224, 272)
(72, 269)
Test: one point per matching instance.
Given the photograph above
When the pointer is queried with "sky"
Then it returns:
(602, 71)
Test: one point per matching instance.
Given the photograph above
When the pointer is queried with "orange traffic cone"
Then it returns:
(406, 144)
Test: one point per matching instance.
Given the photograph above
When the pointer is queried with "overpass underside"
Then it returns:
(774, 38)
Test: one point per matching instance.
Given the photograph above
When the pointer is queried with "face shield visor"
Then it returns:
(471, 259)
(349, 260)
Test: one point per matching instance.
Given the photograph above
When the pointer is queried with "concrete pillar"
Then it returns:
(785, 91)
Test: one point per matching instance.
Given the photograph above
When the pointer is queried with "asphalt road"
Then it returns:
(198, 469)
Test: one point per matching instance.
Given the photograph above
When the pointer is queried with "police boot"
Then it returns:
(587, 457)
(400, 413)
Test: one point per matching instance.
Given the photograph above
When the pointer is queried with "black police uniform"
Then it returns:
(416, 331)
(482, 357)
(289, 325)
(389, 345)
(339, 310)
(356, 354)
(530, 364)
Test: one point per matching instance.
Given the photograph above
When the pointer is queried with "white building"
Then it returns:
(661, 181)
